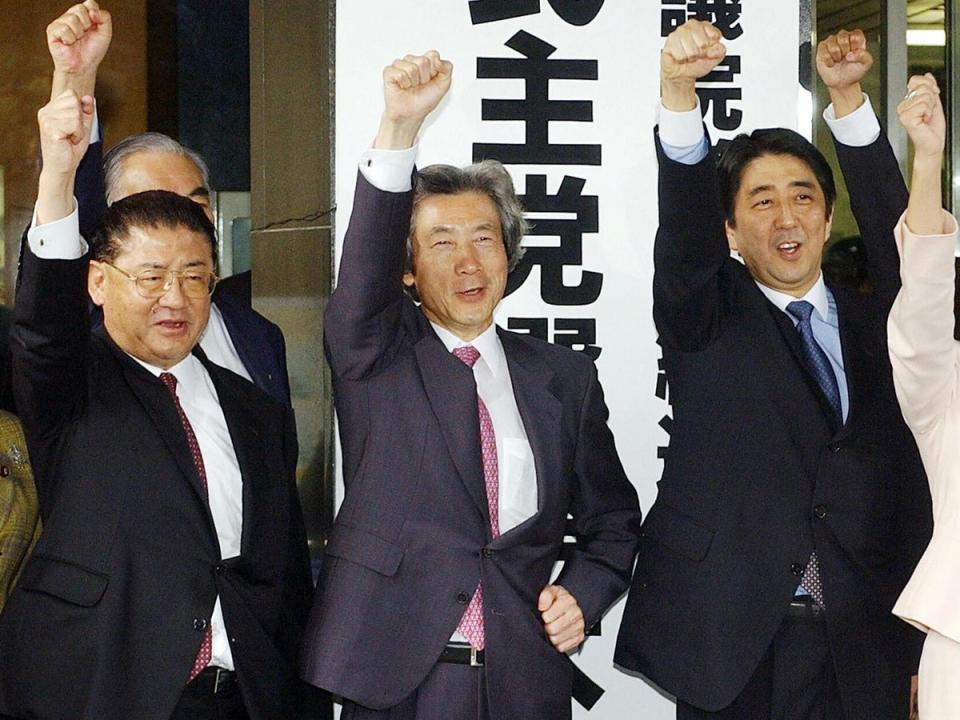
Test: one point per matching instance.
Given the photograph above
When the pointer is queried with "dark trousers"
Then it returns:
(449, 692)
(199, 702)
(795, 680)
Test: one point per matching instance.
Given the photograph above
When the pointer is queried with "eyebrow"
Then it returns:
(809, 184)
(161, 266)
(449, 228)
(199, 192)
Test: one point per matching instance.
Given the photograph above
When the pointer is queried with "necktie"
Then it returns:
(816, 358)
(819, 365)
(471, 624)
(205, 651)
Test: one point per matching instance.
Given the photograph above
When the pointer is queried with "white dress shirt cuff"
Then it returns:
(57, 240)
(389, 170)
(858, 129)
(680, 129)
(95, 136)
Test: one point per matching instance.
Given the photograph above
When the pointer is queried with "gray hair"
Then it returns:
(488, 177)
(145, 142)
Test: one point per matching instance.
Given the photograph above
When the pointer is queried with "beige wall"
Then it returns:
(25, 69)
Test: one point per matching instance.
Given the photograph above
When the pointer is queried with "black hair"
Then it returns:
(744, 149)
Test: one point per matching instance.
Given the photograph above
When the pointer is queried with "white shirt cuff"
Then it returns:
(95, 127)
(858, 129)
(680, 129)
(389, 170)
(57, 240)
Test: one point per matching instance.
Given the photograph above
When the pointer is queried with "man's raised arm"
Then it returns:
(359, 325)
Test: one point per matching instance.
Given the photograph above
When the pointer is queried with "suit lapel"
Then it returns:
(452, 393)
(863, 361)
(156, 402)
(248, 338)
(540, 412)
(792, 339)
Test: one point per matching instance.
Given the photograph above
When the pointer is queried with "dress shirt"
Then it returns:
(200, 403)
(218, 345)
(59, 240)
(515, 468)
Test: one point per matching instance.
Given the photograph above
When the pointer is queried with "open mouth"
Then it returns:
(172, 326)
(788, 249)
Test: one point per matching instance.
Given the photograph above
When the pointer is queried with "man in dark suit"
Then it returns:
(793, 505)
(172, 578)
(465, 448)
(237, 337)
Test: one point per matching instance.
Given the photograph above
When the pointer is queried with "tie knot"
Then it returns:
(801, 310)
(467, 354)
(170, 380)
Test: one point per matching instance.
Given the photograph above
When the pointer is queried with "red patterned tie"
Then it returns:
(206, 645)
(471, 624)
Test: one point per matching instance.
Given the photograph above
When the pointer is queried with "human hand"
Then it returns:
(413, 86)
(921, 115)
(65, 124)
(79, 39)
(562, 617)
(690, 52)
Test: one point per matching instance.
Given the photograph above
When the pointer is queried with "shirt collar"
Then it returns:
(816, 296)
(487, 344)
(187, 371)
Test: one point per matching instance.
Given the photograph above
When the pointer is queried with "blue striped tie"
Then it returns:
(816, 358)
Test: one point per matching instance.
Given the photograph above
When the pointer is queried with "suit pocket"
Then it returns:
(64, 580)
(677, 531)
(364, 548)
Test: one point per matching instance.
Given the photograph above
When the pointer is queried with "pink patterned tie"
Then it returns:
(205, 652)
(471, 624)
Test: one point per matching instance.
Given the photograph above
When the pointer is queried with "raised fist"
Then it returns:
(78, 40)
(691, 51)
(843, 59)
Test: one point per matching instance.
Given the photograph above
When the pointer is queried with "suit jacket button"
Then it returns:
(463, 598)
(796, 569)
(219, 568)
(199, 624)
(820, 511)
(834, 447)
(487, 553)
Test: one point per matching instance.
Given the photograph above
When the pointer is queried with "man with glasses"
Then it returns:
(172, 577)
(236, 337)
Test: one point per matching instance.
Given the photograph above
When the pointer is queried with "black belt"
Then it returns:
(804, 606)
(462, 655)
(213, 680)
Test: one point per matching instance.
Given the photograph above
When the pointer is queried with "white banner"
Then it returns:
(564, 92)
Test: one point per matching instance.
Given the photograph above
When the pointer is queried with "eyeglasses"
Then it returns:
(194, 283)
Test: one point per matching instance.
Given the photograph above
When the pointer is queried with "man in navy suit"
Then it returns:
(237, 337)
(793, 505)
(465, 449)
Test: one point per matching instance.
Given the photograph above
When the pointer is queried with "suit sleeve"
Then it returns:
(49, 342)
(689, 254)
(606, 513)
(878, 197)
(90, 191)
(923, 353)
(363, 317)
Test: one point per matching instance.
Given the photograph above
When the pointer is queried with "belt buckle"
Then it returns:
(473, 658)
